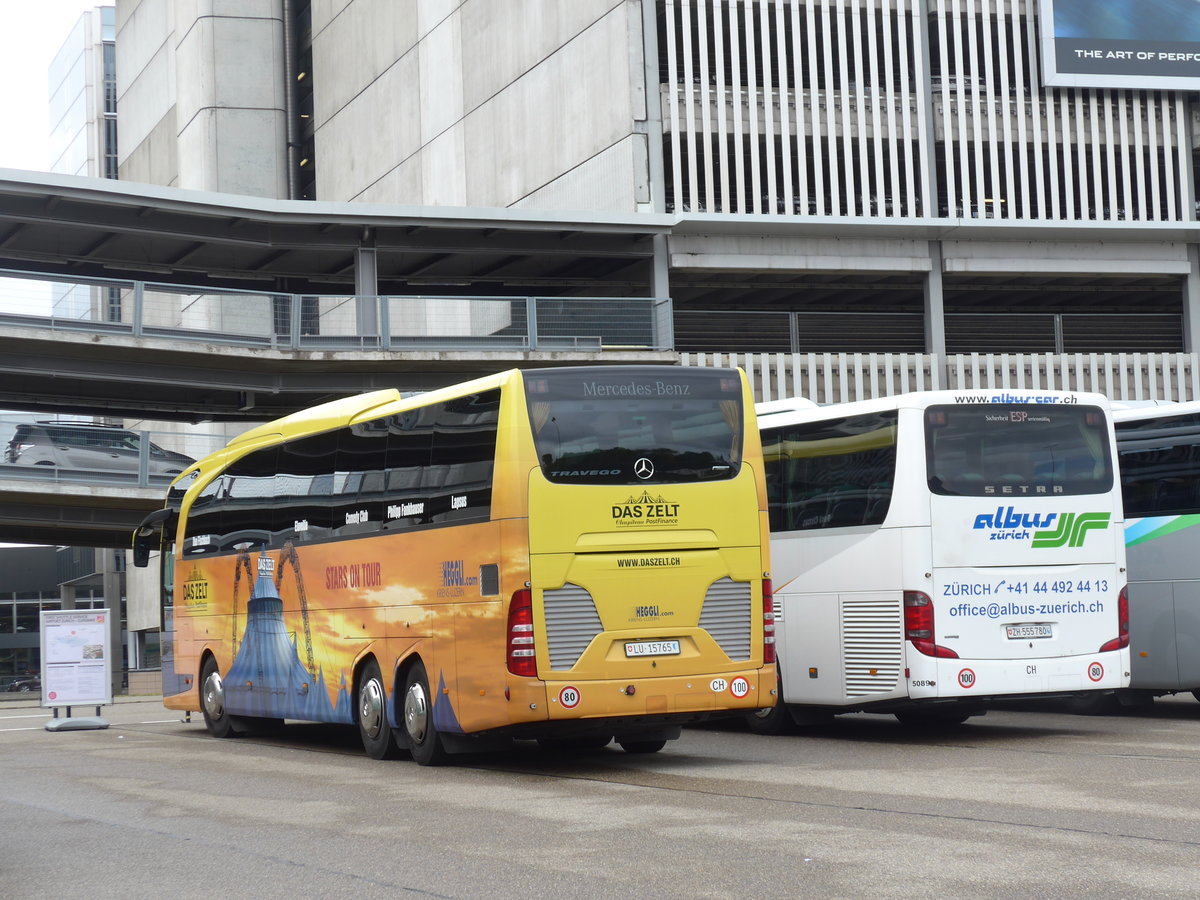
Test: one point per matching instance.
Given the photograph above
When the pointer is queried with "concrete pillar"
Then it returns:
(230, 98)
(652, 125)
(660, 280)
(1191, 302)
(366, 285)
(111, 580)
(935, 311)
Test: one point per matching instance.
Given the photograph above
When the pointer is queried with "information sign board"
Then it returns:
(76, 658)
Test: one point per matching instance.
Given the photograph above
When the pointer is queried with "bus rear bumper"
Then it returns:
(963, 679)
(660, 696)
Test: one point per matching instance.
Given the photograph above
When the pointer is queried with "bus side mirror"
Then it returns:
(152, 527)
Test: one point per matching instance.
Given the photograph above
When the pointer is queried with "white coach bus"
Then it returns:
(936, 552)
(1159, 463)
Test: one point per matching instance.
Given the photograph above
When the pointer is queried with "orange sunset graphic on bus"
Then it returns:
(297, 620)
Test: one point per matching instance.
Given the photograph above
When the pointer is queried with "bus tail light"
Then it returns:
(521, 653)
(918, 625)
(1121, 641)
(768, 622)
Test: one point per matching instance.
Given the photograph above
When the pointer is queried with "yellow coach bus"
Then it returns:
(573, 555)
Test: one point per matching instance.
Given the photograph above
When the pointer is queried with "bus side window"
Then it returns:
(464, 456)
(831, 474)
(203, 530)
(304, 488)
(248, 500)
(360, 463)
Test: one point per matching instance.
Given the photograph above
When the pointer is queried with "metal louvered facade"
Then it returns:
(727, 616)
(872, 646)
(571, 623)
(903, 109)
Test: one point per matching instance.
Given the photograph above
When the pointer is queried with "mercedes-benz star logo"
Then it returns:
(643, 468)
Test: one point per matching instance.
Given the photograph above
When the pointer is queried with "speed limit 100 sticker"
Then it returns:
(966, 678)
(569, 697)
(1095, 671)
(739, 687)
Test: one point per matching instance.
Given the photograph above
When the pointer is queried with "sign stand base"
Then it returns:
(76, 723)
(79, 723)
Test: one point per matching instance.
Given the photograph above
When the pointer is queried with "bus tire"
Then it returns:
(424, 741)
(775, 719)
(371, 713)
(212, 701)
(642, 746)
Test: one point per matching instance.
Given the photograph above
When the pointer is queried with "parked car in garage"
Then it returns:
(24, 684)
(88, 446)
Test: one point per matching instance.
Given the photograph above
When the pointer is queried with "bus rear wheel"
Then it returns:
(424, 741)
(373, 727)
(212, 701)
(775, 719)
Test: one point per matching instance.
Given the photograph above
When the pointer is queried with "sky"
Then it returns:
(33, 32)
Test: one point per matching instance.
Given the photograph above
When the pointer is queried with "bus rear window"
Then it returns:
(1002, 450)
(629, 425)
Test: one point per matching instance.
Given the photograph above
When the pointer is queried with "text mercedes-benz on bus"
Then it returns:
(1159, 463)
(574, 555)
(937, 552)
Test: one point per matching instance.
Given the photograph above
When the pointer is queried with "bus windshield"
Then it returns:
(990, 449)
(622, 426)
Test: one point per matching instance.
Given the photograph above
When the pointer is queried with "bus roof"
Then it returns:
(1126, 411)
(779, 413)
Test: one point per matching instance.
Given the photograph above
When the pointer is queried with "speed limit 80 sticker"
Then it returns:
(569, 697)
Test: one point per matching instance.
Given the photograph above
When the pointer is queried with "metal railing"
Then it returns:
(841, 377)
(304, 321)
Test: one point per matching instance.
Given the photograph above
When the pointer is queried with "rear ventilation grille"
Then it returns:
(571, 623)
(872, 640)
(727, 616)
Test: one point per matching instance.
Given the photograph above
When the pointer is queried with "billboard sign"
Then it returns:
(1141, 44)
(76, 658)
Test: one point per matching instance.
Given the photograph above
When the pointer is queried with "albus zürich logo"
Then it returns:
(1043, 530)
